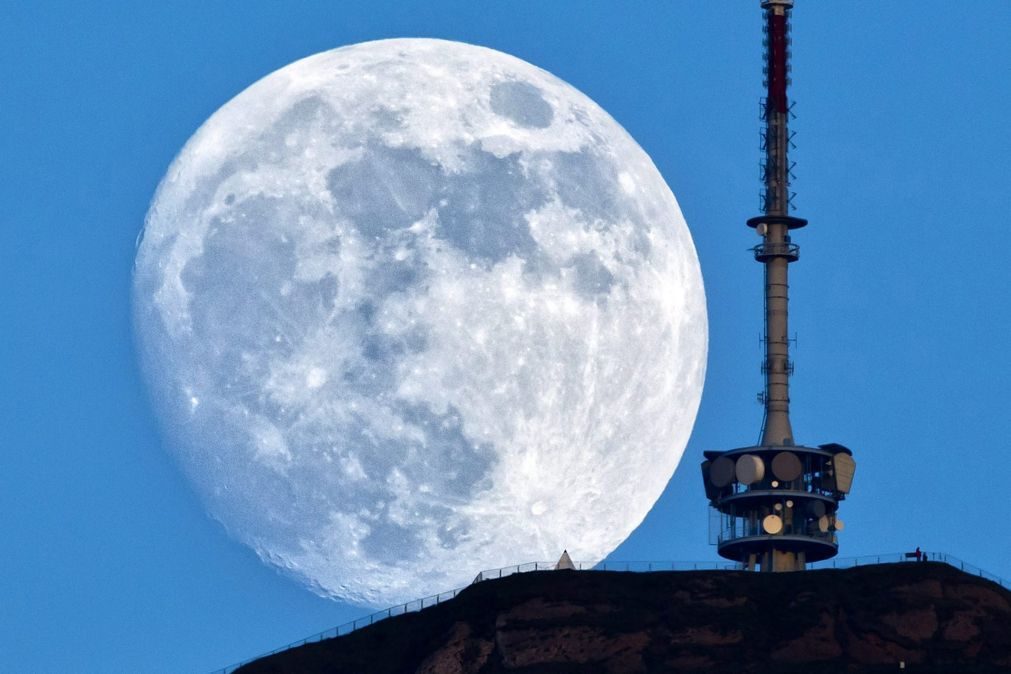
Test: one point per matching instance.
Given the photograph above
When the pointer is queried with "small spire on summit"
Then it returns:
(565, 562)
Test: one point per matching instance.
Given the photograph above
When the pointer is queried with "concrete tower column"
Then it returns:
(777, 254)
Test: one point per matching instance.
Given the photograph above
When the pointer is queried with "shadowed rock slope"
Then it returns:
(866, 619)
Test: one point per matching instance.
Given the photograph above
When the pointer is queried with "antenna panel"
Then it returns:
(772, 524)
(721, 472)
(845, 467)
(787, 467)
(750, 469)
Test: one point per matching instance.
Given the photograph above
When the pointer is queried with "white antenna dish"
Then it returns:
(750, 469)
(823, 524)
(721, 473)
(839, 524)
(773, 524)
(786, 466)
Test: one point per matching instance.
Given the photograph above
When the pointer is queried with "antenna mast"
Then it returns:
(776, 251)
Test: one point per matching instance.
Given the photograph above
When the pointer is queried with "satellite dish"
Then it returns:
(775, 483)
(777, 507)
(721, 473)
(789, 504)
(816, 508)
(762, 229)
(823, 524)
(839, 524)
(750, 469)
(786, 466)
(773, 524)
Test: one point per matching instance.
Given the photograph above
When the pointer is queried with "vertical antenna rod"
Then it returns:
(776, 107)
(776, 250)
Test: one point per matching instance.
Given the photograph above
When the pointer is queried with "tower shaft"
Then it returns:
(776, 251)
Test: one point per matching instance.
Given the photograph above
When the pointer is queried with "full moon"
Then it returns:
(411, 309)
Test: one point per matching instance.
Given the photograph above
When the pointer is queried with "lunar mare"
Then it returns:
(411, 309)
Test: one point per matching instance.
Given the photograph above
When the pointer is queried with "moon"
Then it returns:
(410, 309)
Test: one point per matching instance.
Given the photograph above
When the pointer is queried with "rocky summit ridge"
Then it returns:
(927, 616)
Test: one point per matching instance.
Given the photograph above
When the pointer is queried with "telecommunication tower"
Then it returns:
(776, 503)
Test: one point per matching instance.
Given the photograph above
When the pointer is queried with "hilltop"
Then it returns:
(932, 616)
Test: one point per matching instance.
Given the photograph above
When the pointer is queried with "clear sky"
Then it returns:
(900, 300)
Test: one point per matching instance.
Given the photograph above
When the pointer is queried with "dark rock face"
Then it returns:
(867, 619)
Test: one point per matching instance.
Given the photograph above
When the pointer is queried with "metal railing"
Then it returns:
(412, 606)
(764, 251)
(632, 566)
(903, 557)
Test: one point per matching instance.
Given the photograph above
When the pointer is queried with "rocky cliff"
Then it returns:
(930, 616)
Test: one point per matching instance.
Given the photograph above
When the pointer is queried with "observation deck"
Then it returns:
(777, 498)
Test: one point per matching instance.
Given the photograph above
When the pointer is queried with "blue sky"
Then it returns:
(900, 300)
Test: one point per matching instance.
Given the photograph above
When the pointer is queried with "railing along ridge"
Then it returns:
(630, 566)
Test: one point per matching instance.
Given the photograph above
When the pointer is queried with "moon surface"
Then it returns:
(411, 309)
